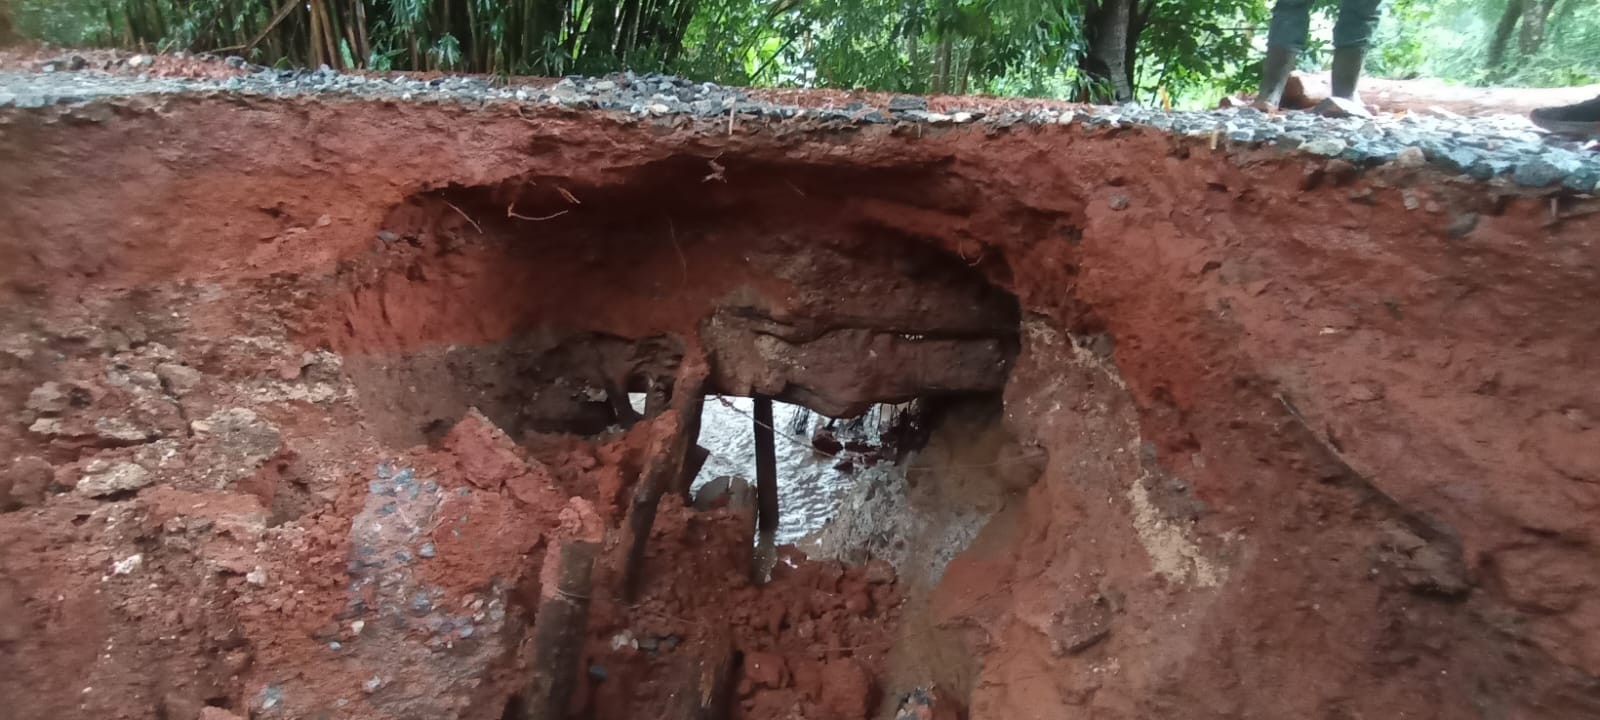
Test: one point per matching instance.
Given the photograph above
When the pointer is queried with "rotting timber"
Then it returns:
(1317, 440)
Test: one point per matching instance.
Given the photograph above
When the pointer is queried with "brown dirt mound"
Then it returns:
(299, 397)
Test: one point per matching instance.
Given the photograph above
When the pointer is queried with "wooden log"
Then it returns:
(708, 687)
(692, 465)
(693, 409)
(766, 490)
(668, 448)
(656, 398)
(559, 628)
(621, 406)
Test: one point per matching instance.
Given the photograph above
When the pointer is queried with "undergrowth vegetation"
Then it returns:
(1183, 52)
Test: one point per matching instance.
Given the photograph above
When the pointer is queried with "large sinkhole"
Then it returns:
(563, 309)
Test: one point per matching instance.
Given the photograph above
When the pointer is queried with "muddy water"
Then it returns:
(809, 487)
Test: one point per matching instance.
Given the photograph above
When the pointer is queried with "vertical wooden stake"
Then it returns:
(559, 628)
(664, 468)
(766, 489)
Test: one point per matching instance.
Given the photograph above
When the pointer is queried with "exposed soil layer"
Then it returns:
(1279, 437)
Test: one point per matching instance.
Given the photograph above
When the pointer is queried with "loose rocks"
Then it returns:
(104, 479)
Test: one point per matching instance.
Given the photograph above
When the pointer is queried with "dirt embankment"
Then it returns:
(1305, 441)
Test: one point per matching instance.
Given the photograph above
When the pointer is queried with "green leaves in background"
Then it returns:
(1103, 50)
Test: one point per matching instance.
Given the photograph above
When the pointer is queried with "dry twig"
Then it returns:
(511, 212)
(463, 214)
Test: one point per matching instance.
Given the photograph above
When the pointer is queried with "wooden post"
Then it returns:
(766, 490)
(621, 406)
(668, 448)
(559, 628)
(707, 687)
(691, 469)
(656, 397)
(695, 456)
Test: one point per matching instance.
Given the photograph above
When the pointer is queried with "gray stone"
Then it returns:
(104, 479)
(1543, 171)
(24, 482)
(904, 103)
(1325, 146)
(1582, 181)
(1411, 157)
(1337, 107)
(121, 431)
(177, 379)
(48, 399)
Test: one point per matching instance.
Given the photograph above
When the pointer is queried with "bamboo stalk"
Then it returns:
(361, 32)
(330, 35)
(316, 34)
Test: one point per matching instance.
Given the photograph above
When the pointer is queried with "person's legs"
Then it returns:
(1291, 23)
(1351, 35)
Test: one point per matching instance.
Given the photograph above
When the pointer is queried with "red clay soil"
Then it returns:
(1310, 453)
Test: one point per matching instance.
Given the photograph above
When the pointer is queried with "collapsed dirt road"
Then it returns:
(314, 398)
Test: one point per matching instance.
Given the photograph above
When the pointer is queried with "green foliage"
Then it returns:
(67, 22)
(1190, 52)
(1451, 40)
(1186, 51)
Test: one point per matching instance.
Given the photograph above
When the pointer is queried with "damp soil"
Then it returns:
(304, 396)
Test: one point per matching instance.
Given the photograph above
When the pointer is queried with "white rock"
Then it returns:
(256, 577)
(119, 430)
(48, 398)
(1411, 157)
(128, 564)
(178, 379)
(120, 477)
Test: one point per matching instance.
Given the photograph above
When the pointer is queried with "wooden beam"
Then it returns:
(673, 433)
(706, 691)
(559, 628)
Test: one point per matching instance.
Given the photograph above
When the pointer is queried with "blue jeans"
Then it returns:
(1291, 23)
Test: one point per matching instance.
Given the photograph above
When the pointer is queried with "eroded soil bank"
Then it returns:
(1230, 433)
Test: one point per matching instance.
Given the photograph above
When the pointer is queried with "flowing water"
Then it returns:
(809, 486)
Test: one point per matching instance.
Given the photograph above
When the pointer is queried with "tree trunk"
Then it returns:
(316, 34)
(361, 34)
(7, 34)
(1138, 18)
(941, 67)
(1107, 60)
(914, 53)
(1534, 14)
(680, 27)
(600, 41)
(1502, 33)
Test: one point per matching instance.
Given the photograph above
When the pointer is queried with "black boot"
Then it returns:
(1578, 119)
(1346, 73)
(1274, 75)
